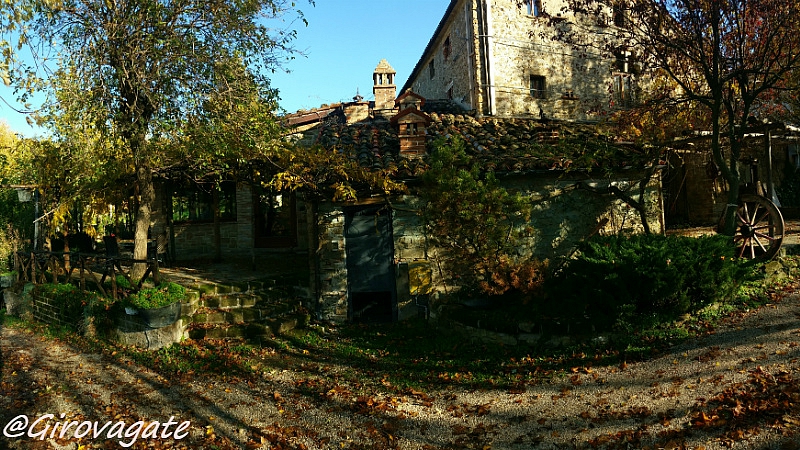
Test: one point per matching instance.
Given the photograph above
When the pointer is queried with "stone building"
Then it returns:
(373, 260)
(696, 193)
(499, 58)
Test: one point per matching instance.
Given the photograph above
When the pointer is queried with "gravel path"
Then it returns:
(736, 388)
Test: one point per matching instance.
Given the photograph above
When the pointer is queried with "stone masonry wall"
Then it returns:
(566, 210)
(196, 240)
(459, 67)
(50, 311)
(522, 46)
(699, 198)
(577, 85)
(332, 266)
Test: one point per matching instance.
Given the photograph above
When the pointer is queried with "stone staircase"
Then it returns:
(252, 311)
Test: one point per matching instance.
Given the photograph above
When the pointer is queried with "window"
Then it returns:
(618, 15)
(191, 203)
(276, 219)
(624, 62)
(537, 86)
(446, 49)
(432, 69)
(534, 7)
(794, 155)
(623, 90)
(450, 93)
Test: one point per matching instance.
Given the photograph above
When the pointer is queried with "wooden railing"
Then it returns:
(56, 267)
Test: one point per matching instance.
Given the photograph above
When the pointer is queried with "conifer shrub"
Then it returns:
(618, 281)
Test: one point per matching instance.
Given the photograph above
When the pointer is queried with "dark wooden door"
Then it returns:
(370, 264)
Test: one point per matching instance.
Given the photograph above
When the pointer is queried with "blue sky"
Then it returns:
(343, 43)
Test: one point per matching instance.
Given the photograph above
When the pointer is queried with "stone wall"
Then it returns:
(332, 266)
(696, 193)
(194, 240)
(47, 310)
(458, 69)
(516, 46)
(567, 209)
(523, 46)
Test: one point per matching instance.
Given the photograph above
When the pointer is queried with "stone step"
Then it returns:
(250, 331)
(212, 288)
(242, 311)
(245, 299)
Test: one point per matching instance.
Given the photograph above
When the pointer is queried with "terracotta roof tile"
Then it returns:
(499, 144)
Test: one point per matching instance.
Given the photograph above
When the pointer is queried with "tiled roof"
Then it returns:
(499, 144)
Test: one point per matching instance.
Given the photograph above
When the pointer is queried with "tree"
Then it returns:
(130, 72)
(478, 224)
(725, 58)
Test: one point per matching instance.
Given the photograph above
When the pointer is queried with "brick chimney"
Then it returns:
(383, 86)
(411, 124)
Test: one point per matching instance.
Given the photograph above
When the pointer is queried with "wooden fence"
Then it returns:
(56, 267)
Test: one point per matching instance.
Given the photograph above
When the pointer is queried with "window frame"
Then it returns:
(619, 16)
(622, 91)
(536, 90)
(262, 240)
(198, 203)
(534, 8)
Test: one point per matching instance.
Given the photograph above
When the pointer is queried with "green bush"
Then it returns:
(162, 295)
(618, 281)
(16, 227)
(75, 305)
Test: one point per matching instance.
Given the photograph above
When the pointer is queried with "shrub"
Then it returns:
(477, 224)
(157, 297)
(616, 281)
(74, 304)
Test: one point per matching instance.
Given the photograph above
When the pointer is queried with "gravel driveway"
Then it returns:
(735, 388)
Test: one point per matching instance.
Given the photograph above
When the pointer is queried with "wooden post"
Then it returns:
(82, 268)
(156, 273)
(113, 281)
(33, 268)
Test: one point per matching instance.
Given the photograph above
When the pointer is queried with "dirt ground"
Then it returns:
(737, 387)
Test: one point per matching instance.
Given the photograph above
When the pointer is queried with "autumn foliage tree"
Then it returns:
(725, 59)
(134, 70)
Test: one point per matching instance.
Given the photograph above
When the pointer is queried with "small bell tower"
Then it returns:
(383, 86)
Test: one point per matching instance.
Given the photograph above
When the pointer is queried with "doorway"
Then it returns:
(369, 244)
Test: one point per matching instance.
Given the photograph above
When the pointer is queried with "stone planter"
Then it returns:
(160, 317)
(6, 280)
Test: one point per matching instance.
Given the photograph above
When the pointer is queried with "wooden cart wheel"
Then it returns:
(759, 228)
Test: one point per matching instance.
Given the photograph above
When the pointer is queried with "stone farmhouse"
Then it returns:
(499, 58)
(510, 95)
(372, 257)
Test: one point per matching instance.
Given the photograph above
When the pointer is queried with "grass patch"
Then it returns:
(416, 354)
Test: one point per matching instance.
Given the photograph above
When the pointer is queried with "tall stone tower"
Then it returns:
(383, 86)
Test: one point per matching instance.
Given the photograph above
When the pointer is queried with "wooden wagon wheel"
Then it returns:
(759, 228)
